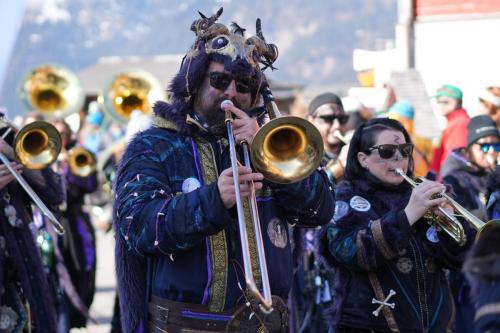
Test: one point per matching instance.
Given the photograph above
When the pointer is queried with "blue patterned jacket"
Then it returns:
(374, 251)
(169, 213)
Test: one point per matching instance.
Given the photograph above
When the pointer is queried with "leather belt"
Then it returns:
(167, 316)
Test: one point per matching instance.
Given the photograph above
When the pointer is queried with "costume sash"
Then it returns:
(217, 243)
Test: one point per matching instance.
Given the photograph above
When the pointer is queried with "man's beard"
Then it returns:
(215, 119)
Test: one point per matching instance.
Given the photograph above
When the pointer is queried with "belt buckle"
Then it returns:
(161, 314)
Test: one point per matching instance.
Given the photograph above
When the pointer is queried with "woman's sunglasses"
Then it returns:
(221, 80)
(485, 147)
(387, 151)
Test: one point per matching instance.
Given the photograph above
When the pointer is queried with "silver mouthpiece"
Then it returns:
(225, 103)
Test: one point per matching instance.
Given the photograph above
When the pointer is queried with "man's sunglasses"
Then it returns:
(330, 118)
(485, 147)
(387, 151)
(221, 80)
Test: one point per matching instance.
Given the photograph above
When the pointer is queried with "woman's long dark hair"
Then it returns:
(364, 138)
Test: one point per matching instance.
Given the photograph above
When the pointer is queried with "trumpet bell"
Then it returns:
(132, 90)
(37, 145)
(287, 149)
(51, 90)
(81, 162)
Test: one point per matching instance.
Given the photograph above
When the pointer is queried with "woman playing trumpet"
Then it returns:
(389, 260)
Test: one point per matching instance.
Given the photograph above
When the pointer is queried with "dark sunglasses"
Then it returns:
(387, 151)
(221, 80)
(330, 118)
(485, 147)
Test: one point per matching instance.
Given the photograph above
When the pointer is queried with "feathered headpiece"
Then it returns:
(215, 41)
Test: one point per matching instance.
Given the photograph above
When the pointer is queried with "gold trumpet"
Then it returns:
(35, 145)
(81, 161)
(449, 223)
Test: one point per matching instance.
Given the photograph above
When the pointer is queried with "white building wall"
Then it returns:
(465, 53)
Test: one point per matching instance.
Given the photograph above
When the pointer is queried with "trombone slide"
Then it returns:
(57, 226)
(264, 298)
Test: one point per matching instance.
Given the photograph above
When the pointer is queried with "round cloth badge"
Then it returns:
(341, 209)
(405, 265)
(432, 235)
(190, 184)
(360, 204)
(8, 319)
(277, 233)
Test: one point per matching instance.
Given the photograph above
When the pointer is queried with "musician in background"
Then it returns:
(389, 262)
(178, 244)
(24, 290)
(78, 244)
(327, 113)
(311, 285)
(467, 170)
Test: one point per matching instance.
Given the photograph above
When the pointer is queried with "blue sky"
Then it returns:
(11, 14)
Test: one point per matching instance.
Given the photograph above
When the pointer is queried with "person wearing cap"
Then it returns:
(178, 247)
(327, 113)
(489, 103)
(403, 112)
(467, 170)
(91, 135)
(449, 103)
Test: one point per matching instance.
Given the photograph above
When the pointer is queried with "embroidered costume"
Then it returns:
(25, 299)
(389, 276)
(178, 247)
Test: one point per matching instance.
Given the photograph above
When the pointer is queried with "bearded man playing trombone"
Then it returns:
(178, 255)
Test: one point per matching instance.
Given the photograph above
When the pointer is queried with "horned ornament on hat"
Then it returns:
(216, 37)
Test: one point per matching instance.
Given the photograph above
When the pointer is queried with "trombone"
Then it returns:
(35, 146)
(450, 223)
(285, 150)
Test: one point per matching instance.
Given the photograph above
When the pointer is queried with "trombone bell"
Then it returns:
(37, 145)
(287, 149)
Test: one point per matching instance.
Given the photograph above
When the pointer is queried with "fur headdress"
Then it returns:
(214, 41)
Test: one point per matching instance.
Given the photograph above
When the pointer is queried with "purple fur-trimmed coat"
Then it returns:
(155, 216)
(370, 234)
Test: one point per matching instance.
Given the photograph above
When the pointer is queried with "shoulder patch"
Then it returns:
(360, 204)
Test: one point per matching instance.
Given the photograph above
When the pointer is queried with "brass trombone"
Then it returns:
(450, 223)
(285, 150)
(35, 146)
